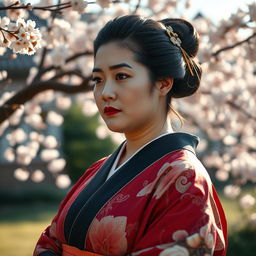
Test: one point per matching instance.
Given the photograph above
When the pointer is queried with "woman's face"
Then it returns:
(123, 91)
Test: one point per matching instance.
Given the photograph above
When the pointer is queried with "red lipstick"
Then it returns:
(111, 111)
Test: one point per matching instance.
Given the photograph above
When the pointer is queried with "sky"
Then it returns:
(214, 9)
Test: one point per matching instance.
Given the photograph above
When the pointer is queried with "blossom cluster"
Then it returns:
(228, 144)
(79, 5)
(26, 146)
(15, 13)
(22, 36)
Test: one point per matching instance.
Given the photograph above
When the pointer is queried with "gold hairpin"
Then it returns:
(174, 38)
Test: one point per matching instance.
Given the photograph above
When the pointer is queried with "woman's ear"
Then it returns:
(164, 85)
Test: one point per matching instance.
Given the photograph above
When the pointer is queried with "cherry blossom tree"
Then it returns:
(222, 113)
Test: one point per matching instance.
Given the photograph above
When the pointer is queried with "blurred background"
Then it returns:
(50, 129)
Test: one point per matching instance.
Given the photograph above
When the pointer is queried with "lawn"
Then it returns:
(21, 225)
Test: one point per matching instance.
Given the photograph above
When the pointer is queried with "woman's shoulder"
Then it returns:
(197, 165)
(187, 161)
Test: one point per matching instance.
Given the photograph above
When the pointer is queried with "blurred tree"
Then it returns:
(81, 146)
(223, 116)
(223, 113)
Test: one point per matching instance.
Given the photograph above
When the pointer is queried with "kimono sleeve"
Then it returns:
(48, 243)
(186, 217)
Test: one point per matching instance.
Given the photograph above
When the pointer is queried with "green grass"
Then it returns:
(232, 212)
(19, 238)
(22, 224)
(236, 217)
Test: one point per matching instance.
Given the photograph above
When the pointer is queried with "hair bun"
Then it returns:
(187, 34)
(189, 37)
(188, 85)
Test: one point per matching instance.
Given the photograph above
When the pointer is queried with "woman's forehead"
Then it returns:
(113, 54)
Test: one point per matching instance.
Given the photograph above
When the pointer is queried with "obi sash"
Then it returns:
(73, 251)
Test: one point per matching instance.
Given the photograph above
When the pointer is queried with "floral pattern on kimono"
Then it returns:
(168, 208)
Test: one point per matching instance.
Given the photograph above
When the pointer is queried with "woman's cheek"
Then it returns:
(97, 97)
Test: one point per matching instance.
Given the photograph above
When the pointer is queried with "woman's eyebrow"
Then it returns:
(113, 67)
(121, 65)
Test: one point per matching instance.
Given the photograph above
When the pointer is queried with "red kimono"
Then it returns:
(160, 202)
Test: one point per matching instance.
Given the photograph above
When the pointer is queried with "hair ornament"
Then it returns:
(174, 38)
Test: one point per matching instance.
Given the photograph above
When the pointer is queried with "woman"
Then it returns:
(152, 196)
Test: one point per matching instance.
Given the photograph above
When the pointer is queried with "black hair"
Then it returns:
(152, 47)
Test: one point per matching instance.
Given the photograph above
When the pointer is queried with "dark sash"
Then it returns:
(99, 191)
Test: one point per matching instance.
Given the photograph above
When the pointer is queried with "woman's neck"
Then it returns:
(134, 141)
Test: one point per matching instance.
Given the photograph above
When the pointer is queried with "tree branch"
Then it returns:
(52, 8)
(237, 107)
(215, 54)
(75, 72)
(42, 58)
(57, 7)
(137, 7)
(233, 105)
(71, 58)
(26, 94)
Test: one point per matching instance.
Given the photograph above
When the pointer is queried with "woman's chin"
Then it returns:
(113, 128)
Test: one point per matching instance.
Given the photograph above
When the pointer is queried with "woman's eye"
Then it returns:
(96, 80)
(121, 76)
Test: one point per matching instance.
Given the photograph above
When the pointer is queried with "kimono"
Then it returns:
(159, 202)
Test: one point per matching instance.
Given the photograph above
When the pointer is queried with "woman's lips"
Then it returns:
(109, 111)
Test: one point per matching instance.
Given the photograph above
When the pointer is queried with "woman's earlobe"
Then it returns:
(165, 85)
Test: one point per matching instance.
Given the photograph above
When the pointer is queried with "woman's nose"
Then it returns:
(108, 92)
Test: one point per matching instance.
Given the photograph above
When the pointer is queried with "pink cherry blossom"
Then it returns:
(49, 154)
(56, 165)
(50, 141)
(21, 174)
(79, 5)
(59, 55)
(63, 181)
(23, 37)
(15, 14)
(37, 176)
(63, 102)
(3, 126)
(35, 121)
(9, 154)
(232, 191)
(104, 3)
(54, 118)
(222, 175)
(102, 132)
(247, 201)
(2, 52)
(23, 155)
